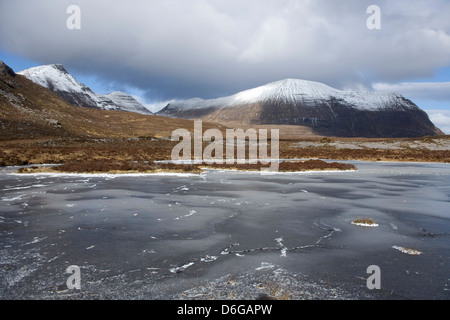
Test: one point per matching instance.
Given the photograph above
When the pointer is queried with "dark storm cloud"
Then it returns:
(181, 49)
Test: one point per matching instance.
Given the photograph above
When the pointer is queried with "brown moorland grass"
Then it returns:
(324, 151)
(115, 166)
(288, 166)
(66, 150)
(106, 166)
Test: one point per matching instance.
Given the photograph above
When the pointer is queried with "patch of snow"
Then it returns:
(208, 258)
(265, 266)
(36, 240)
(12, 199)
(409, 251)
(370, 225)
(191, 213)
(393, 226)
(181, 268)
(282, 247)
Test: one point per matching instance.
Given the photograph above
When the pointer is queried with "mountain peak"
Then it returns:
(6, 70)
(59, 67)
(291, 82)
(286, 90)
(47, 68)
(294, 81)
(127, 102)
(56, 78)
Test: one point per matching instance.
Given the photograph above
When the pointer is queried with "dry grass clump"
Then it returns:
(275, 291)
(12, 159)
(288, 150)
(107, 166)
(140, 166)
(101, 166)
(314, 165)
(365, 222)
(124, 166)
(287, 166)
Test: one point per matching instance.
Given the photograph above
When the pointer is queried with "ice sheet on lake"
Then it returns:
(157, 235)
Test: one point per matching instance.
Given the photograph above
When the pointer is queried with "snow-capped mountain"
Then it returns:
(56, 78)
(291, 91)
(126, 102)
(30, 111)
(327, 110)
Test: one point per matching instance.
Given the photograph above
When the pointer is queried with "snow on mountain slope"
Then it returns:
(288, 90)
(56, 78)
(127, 102)
(293, 91)
(55, 74)
(326, 110)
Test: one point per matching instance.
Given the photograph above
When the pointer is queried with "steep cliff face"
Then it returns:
(327, 110)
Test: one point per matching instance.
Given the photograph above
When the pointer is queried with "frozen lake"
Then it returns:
(227, 234)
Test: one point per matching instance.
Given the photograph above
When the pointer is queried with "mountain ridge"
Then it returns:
(57, 79)
(327, 110)
(29, 111)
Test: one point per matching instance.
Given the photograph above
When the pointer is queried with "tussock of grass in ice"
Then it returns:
(365, 222)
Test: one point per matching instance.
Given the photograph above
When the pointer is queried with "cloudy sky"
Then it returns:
(163, 50)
